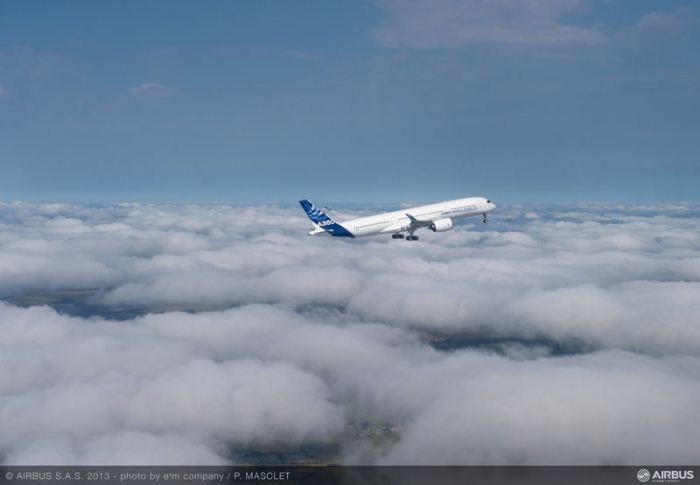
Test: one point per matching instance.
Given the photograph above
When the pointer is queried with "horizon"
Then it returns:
(350, 204)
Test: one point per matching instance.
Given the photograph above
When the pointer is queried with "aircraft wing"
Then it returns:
(411, 225)
(415, 223)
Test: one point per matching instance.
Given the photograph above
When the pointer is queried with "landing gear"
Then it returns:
(410, 237)
(485, 220)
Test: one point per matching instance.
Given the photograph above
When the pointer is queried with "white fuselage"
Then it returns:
(399, 220)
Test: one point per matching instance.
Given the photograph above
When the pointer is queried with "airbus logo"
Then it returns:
(664, 476)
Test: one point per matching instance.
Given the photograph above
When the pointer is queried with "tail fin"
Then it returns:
(316, 215)
(322, 220)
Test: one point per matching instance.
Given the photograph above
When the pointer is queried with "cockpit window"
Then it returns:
(488, 201)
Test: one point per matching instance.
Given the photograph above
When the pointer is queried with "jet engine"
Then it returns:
(441, 225)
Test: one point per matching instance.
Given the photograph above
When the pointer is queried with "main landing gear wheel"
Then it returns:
(411, 238)
(397, 236)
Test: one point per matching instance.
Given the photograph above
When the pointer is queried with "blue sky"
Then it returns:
(396, 100)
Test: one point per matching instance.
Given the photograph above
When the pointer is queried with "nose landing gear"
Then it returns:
(485, 220)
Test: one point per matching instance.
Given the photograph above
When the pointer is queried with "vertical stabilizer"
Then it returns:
(323, 221)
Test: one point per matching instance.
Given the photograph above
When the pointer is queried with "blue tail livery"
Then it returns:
(322, 220)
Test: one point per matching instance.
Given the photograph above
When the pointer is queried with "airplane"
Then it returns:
(436, 217)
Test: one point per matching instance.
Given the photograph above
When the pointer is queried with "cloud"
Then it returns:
(456, 23)
(662, 25)
(32, 74)
(570, 411)
(572, 274)
(155, 385)
(270, 378)
(552, 335)
(20, 63)
(152, 89)
(125, 447)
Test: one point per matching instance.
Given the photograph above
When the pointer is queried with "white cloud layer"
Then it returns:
(305, 340)
(456, 23)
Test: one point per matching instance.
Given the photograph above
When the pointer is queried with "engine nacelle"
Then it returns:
(441, 225)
